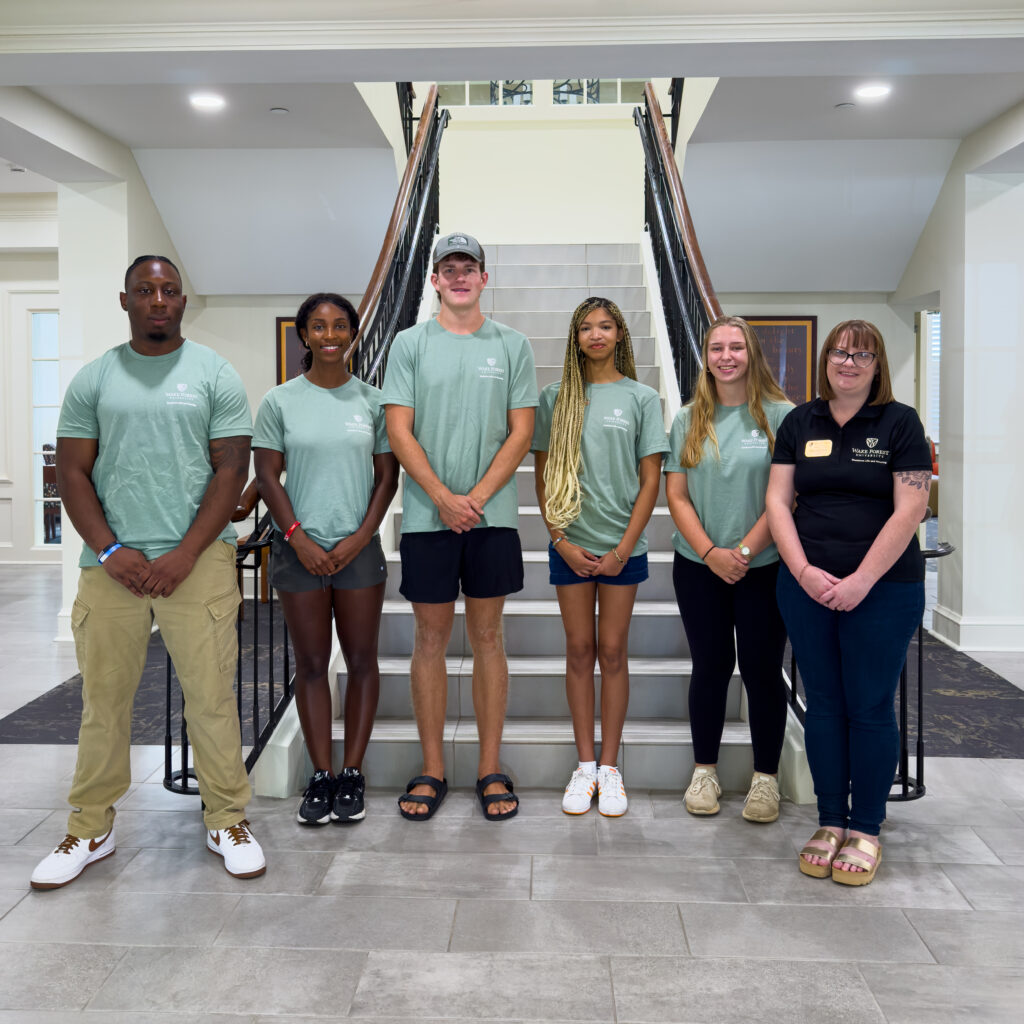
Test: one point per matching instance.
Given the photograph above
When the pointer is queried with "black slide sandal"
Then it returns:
(432, 802)
(496, 798)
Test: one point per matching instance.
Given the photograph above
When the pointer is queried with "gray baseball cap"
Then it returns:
(458, 242)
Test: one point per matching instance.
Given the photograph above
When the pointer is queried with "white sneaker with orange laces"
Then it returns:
(579, 794)
(243, 856)
(611, 793)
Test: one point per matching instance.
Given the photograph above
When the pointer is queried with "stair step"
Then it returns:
(658, 688)
(568, 275)
(542, 298)
(541, 753)
(546, 253)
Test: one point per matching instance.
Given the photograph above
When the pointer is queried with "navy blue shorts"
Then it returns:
(486, 562)
(560, 575)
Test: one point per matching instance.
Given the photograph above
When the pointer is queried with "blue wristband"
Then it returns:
(107, 552)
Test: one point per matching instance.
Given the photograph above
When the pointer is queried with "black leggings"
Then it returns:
(712, 610)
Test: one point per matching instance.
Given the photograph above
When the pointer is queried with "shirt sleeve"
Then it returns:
(380, 428)
(676, 440)
(230, 416)
(542, 424)
(269, 431)
(522, 387)
(78, 410)
(399, 378)
(910, 449)
(651, 436)
(785, 442)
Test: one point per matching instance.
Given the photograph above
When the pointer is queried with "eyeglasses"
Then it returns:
(862, 357)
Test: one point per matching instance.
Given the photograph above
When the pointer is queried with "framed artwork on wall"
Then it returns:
(289, 350)
(790, 345)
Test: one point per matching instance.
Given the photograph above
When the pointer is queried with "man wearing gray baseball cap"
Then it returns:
(460, 394)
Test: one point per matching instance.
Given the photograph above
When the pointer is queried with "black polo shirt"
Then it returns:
(844, 481)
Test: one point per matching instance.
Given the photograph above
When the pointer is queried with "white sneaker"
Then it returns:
(70, 859)
(242, 855)
(611, 793)
(580, 792)
(703, 792)
(762, 803)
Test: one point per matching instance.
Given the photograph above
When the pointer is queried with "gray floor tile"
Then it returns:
(152, 796)
(719, 837)
(130, 919)
(960, 810)
(485, 985)
(562, 835)
(46, 790)
(199, 870)
(1006, 843)
(739, 991)
(439, 876)
(339, 922)
(980, 938)
(10, 898)
(766, 932)
(248, 980)
(15, 824)
(658, 879)
(896, 885)
(958, 776)
(53, 976)
(558, 927)
(989, 888)
(946, 995)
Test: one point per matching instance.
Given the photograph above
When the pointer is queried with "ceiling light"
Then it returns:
(279, 110)
(873, 91)
(208, 101)
(16, 170)
(845, 106)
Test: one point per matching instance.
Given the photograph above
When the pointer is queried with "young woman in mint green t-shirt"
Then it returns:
(598, 445)
(720, 450)
(327, 428)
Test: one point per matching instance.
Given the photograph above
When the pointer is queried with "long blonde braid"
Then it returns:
(761, 385)
(562, 471)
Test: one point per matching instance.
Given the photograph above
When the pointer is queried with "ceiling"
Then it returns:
(771, 158)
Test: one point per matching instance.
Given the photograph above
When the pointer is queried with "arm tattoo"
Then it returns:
(230, 453)
(915, 478)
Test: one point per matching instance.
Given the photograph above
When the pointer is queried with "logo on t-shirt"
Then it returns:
(181, 396)
(616, 421)
(492, 371)
(873, 454)
(756, 442)
(356, 425)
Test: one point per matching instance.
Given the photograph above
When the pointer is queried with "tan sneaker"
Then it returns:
(762, 803)
(703, 792)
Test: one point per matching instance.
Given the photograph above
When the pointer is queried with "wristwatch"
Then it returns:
(744, 551)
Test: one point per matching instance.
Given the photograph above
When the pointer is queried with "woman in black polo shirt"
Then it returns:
(851, 589)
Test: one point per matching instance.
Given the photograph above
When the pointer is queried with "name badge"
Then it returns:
(817, 449)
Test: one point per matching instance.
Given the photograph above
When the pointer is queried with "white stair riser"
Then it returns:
(579, 275)
(561, 300)
(599, 253)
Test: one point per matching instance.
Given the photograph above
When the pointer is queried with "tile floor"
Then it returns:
(653, 917)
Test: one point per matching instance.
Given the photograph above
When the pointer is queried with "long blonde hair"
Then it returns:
(562, 471)
(761, 386)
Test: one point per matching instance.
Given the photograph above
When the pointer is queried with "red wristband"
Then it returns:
(291, 529)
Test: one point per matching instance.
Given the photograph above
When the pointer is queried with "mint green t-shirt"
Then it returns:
(154, 418)
(329, 437)
(461, 387)
(727, 494)
(622, 423)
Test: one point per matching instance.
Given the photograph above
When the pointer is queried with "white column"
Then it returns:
(981, 596)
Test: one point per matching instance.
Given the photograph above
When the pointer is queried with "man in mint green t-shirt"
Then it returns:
(152, 453)
(460, 394)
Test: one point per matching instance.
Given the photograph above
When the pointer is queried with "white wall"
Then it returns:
(833, 308)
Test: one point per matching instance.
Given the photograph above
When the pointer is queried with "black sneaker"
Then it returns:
(317, 800)
(348, 796)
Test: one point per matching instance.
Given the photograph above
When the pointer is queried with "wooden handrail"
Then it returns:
(700, 274)
(387, 252)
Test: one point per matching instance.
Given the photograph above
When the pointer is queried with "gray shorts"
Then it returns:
(287, 573)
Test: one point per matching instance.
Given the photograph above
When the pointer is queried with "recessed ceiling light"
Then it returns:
(845, 106)
(208, 101)
(279, 110)
(873, 91)
(16, 170)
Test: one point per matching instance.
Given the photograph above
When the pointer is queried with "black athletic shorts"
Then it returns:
(487, 562)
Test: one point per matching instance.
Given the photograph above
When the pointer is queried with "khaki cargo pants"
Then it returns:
(111, 627)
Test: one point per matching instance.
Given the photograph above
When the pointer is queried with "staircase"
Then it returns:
(535, 288)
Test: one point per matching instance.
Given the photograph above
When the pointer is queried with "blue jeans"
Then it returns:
(850, 665)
